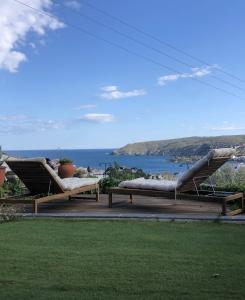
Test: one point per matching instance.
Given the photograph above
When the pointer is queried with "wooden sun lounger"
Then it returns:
(188, 188)
(43, 184)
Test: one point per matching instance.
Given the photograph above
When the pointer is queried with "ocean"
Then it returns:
(97, 158)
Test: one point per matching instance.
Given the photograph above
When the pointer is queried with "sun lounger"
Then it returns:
(187, 186)
(44, 184)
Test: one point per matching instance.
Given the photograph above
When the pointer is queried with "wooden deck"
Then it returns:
(121, 205)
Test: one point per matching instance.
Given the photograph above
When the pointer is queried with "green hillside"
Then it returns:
(190, 146)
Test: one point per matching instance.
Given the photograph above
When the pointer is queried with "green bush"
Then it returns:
(167, 176)
(117, 174)
(229, 178)
(3, 190)
(63, 161)
(107, 183)
(12, 188)
(9, 213)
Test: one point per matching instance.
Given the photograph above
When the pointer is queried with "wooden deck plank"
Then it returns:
(223, 198)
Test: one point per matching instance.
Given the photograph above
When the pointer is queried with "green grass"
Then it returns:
(78, 259)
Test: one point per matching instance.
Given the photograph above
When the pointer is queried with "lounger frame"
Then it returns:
(42, 184)
(42, 198)
(189, 188)
(204, 196)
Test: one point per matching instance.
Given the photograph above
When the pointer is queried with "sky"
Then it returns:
(74, 75)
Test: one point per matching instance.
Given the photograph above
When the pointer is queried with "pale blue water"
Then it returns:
(96, 158)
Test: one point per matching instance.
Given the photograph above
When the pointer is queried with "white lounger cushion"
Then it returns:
(35, 159)
(74, 182)
(221, 152)
(149, 184)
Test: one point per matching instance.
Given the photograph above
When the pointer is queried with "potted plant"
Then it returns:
(66, 168)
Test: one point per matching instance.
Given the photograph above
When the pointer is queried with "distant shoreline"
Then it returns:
(183, 149)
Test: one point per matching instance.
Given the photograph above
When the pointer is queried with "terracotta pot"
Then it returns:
(2, 175)
(66, 170)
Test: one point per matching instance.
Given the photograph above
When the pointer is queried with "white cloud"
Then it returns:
(98, 118)
(109, 88)
(112, 92)
(19, 124)
(16, 21)
(17, 117)
(195, 72)
(72, 4)
(228, 128)
(86, 106)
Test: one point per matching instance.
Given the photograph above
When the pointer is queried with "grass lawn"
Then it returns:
(88, 259)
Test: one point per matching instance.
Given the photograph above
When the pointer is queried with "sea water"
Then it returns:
(101, 158)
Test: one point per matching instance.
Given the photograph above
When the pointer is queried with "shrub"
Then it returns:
(12, 188)
(15, 187)
(167, 176)
(9, 213)
(107, 183)
(3, 191)
(63, 161)
(229, 178)
(80, 173)
(122, 173)
(116, 174)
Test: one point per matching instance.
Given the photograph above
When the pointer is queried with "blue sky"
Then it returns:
(62, 88)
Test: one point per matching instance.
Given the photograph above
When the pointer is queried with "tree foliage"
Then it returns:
(115, 174)
(12, 187)
(229, 178)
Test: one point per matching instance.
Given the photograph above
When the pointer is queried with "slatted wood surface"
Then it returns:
(38, 199)
(202, 174)
(35, 177)
(205, 196)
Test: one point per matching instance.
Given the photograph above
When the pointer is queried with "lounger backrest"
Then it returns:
(37, 175)
(204, 168)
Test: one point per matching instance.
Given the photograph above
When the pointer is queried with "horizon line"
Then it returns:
(59, 149)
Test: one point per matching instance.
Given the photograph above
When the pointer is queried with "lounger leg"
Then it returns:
(110, 200)
(34, 207)
(131, 198)
(224, 210)
(97, 194)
